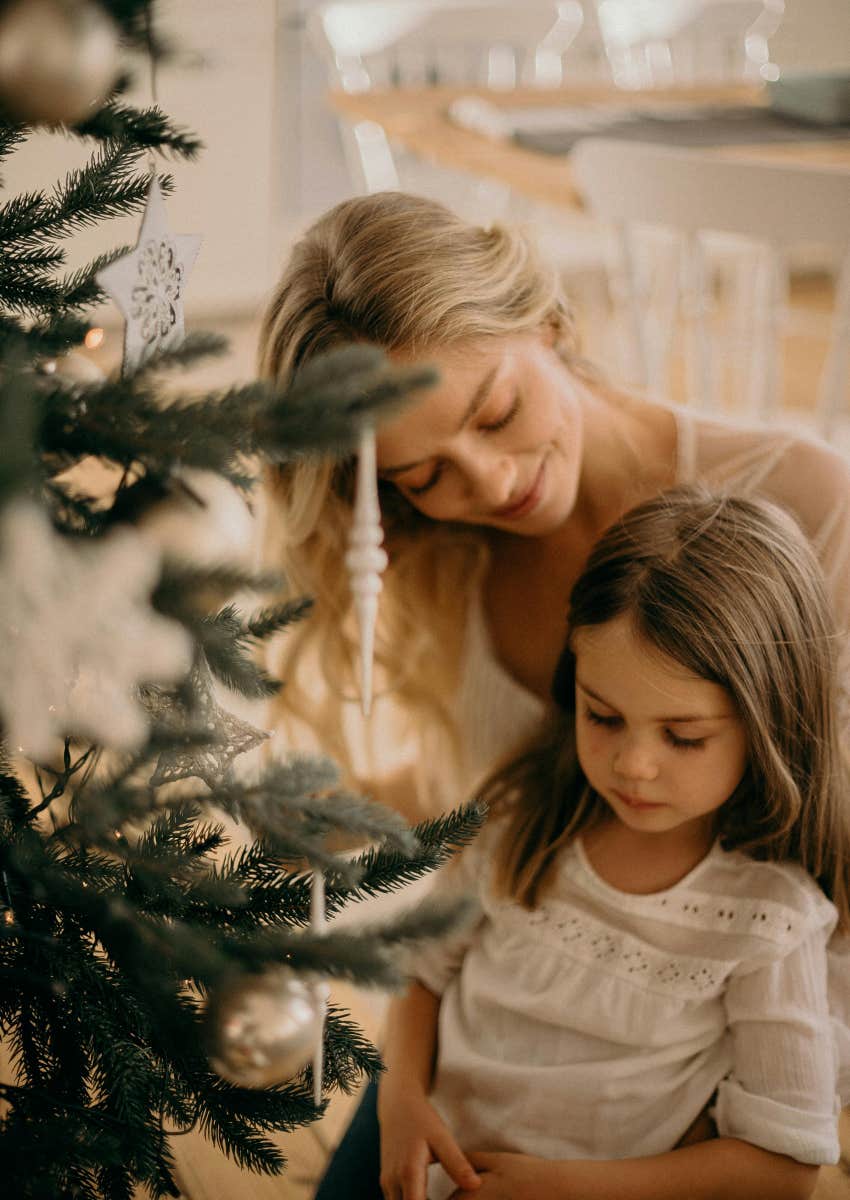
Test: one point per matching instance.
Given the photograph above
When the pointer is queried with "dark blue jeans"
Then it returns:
(355, 1168)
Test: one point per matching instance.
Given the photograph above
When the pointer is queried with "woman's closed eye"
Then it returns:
(433, 478)
(493, 426)
(505, 419)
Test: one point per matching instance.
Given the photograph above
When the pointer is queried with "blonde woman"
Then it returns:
(494, 487)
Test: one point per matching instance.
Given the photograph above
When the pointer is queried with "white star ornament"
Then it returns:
(148, 284)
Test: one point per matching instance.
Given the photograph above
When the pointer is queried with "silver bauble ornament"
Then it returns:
(58, 59)
(263, 1029)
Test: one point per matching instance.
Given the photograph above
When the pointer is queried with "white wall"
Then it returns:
(273, 157)
(227, 194)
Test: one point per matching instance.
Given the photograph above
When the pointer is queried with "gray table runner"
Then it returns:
(725, 126)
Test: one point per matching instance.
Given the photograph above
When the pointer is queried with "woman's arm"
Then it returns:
(723, 1169)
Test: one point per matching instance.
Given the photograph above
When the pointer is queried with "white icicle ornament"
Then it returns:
(262, 1029)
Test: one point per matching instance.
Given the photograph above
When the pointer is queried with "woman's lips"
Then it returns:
(526, 503)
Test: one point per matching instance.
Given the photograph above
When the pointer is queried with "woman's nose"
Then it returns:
(635, 760)
(492, 480)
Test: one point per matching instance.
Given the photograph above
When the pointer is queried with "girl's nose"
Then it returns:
(634, 760)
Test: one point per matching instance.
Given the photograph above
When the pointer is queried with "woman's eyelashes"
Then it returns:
(505, 419)
(494, 426)
(615, 722)
(426, 487)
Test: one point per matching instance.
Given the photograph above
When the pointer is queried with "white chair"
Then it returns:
(772, 208)
(498, 44)
(655, 43)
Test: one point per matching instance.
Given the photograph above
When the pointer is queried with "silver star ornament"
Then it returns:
(228, 736)
(148, 284)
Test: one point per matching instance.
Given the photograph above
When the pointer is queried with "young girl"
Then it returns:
(658, 881)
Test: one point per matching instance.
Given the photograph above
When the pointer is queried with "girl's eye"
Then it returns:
(684, 743)
(596, 718)
(428, 484)
(495, 426)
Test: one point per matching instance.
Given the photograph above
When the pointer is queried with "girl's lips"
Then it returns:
(526, 503)
(635, 802)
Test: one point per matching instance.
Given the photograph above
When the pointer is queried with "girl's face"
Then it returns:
(497, 442)
(663, 747)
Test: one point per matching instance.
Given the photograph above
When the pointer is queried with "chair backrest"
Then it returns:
(697, 193)
(654, 43)
(494, 43)
(369, 44)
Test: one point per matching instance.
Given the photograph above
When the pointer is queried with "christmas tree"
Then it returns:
(151, 981)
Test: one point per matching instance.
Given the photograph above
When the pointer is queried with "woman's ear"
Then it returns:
(549, 333)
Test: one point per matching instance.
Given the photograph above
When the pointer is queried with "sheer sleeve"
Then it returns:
(803, 475)
(781, 1092)
(813, 483)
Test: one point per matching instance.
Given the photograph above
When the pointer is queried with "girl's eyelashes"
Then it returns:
(684, 743)
(615, 722)
(597, 719)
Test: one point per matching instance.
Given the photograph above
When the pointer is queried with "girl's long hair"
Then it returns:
(729, 588)
(404, 273)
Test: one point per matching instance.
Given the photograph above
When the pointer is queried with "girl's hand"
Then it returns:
(515, 1177)
(413, 1135)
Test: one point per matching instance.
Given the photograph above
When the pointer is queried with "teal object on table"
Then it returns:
(821, 96)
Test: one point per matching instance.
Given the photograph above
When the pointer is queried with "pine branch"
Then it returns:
(224, 640)
(348, 1054)
(81, 289)
(274, 619)
(194, 346)
(11, 135)
(147, 127)
(384, 869)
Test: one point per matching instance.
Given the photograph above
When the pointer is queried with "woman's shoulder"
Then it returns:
(727, 447)
(791, 466)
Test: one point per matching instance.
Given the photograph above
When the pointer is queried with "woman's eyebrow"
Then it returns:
(479, 398)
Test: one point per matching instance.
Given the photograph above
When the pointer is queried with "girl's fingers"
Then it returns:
(455, 1163)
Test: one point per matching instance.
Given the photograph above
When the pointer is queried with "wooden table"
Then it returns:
(417, 120)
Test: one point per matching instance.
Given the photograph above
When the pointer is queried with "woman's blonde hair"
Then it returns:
(408, 275)
(729, 588)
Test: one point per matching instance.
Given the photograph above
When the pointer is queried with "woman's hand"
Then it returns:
(413, 1135)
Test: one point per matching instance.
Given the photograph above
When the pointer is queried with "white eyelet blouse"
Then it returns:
(599, 1024)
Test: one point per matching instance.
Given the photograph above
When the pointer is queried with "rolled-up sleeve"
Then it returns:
(781, 1093)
